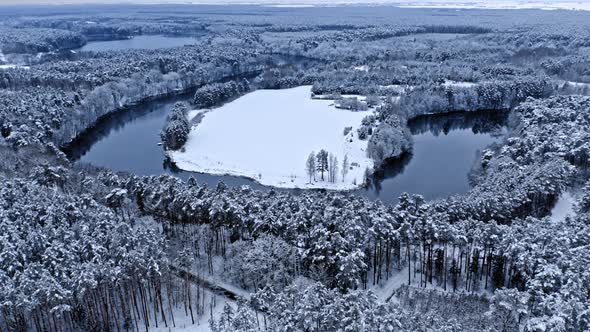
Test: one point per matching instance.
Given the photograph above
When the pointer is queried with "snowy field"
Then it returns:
(267, 135)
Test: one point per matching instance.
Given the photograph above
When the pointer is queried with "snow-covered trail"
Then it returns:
(217, 296)
(386, 290)
(211, 286)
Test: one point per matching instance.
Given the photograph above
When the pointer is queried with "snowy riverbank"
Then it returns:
(267, 135)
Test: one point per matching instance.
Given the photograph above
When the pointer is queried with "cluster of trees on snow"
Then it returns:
(354, 104)
(391, 139)
(212, 94)
(325, 162)
(175, 132)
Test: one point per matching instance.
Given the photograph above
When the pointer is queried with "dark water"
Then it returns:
(445, 148)
(128, 141)
(139, 42)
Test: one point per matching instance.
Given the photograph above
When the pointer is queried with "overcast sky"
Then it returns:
(545, 4)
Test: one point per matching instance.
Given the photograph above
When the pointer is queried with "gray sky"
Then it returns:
(544, 4)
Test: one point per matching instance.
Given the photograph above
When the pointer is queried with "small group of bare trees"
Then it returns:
(325, 162)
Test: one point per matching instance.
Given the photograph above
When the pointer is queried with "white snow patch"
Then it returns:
(561, 84)
(401, 89)
(450, 83)
(193, 113)
(338, 96)
(359, 97)
(564, 207)
(267, 135)
(362, 68)
(385, 290)
(13, 66)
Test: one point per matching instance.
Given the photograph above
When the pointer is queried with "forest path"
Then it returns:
(216, 289)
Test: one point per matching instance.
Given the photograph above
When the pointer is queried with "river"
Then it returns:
(445, 148)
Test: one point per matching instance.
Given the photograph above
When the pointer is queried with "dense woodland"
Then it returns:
(88, 249)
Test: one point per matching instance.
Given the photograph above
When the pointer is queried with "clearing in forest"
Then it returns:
(267, 135)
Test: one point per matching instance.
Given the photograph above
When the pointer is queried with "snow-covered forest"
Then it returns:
(320, 99)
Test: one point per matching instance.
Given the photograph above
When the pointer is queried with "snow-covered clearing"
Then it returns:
(267, 135)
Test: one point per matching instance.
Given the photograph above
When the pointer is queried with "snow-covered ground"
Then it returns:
(182, 320)
(385, 290)
(267, 135)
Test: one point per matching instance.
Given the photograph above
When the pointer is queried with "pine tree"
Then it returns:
(345, 167)
(310, 166)
(498, 271)
(177, 128)
(454, 270)
(332, 168)
(367, 176)
(322, 162)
